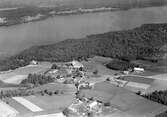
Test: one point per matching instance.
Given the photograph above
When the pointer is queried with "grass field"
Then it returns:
(157, 85)
(137, 79)
(28, 104)
(21, 73)
(65, 88)
(124, 100)
(46, 104)
(98, 63)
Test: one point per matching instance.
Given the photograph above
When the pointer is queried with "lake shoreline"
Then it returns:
(62, 13)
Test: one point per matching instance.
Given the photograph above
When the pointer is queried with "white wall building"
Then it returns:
(3, 20)
(138, 69)
(33, 62)
(7, 111)
(76, 64)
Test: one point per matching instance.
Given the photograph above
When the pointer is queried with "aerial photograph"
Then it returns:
(83, 58)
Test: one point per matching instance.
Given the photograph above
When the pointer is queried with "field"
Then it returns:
(98, 63)
(46, 104)
(17, 75)
(137, 79)
(157, 85)
(67, 89)
(124, 100)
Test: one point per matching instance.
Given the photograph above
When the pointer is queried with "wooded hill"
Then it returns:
(143, 42)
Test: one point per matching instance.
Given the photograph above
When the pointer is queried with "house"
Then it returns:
(83, 85)
(75, 106)
(33, 62)
(138, 69)
(6, 110)
(3, 20)
(95, 106)
(126, 72)
(76, 64)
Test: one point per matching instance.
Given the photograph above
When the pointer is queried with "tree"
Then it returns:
(56, 92)
(50, 93)
(108, 79)
(138, 93)
(46, 91)
(90, 114)
(54, 66)
(95, 72)
(66, 112)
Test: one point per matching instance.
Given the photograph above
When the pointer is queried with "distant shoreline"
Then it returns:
(51, 12)
(58, 13)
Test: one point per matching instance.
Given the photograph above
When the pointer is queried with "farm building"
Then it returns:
(77, 64)
(138, 69)
(94, 106)
(123, 100)
(33, 62)
(6, 110)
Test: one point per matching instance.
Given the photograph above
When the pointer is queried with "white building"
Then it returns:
(3, 20)
(94, 106)
(53, 71)
(33, 62)
(138, 69)
(7, 111)
(74, 106)
(76, 64)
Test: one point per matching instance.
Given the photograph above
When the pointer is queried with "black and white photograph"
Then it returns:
(83, 58)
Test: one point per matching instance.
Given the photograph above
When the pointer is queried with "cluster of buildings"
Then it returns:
(2, 20)
(85, 108)
(135, 70)
(32, 18)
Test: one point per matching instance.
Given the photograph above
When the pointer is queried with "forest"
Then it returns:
(122, 65)
(37, 79)
(160, 97)
(144, 42)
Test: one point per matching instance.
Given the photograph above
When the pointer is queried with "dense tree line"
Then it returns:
(119, 65)
(158, 96)
(15, 93)
(26, 92)
(140, 43)
(37, 79)
(164, 114)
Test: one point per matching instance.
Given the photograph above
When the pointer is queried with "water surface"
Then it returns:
(18, 37)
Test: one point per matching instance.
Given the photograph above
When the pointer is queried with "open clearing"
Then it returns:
(27, 104)
(98, 63)
(65, 88)
(15, 79)
(159, 77)
(6, 110)
(39, 104)
(137, 79)
(55, 103)
(138, 85)
(124, 100)
(157, 85)
(19, 74)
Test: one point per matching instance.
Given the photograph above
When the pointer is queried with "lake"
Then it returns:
(18, 37)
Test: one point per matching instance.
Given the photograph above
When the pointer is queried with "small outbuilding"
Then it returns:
(77, 64)
(138, 69)
(33, 62)
(94, 106)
